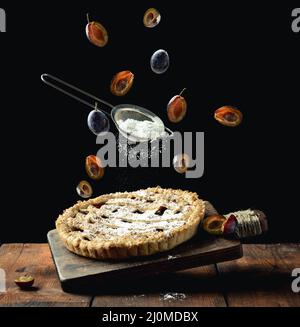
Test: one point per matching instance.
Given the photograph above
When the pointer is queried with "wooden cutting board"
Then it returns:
(80, 274)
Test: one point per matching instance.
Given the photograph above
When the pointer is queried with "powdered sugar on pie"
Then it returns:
(121, 225)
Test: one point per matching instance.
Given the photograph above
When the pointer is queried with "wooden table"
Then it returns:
(261, 278)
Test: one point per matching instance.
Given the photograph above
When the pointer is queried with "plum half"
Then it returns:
(94, 167)
(84, 189)
(228, 116)
(219, 225)
(176, 108)
(122, 83)
(96, 33)
(151, 18)
(213, 224)
(24, 282)
(181, 163)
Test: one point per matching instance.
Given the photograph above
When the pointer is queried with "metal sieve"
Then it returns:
(117, 113)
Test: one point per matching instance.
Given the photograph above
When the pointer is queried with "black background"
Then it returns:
(93, 316)
(238, 53)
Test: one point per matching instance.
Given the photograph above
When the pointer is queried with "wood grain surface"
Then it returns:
(35, 260)
(261, 278)
(191, 288)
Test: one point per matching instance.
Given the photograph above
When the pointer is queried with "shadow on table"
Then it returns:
(254, 280)
(171, 282)
(193, 281)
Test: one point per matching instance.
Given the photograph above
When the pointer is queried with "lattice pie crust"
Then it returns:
(130, 224)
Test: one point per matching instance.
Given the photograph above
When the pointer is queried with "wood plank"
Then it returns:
(197, 287)
(262, 277)
(36, 260)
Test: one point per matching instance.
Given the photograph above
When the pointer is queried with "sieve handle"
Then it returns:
(59, 85)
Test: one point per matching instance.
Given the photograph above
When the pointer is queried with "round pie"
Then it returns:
(130, 224)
